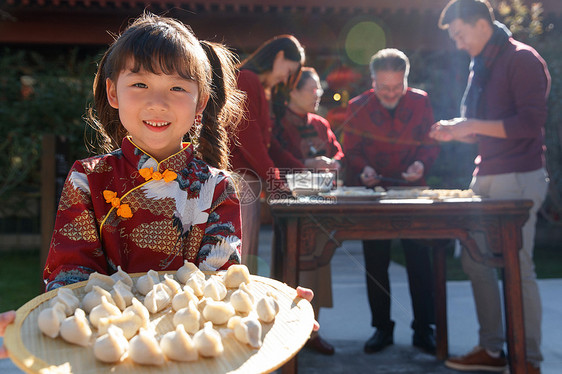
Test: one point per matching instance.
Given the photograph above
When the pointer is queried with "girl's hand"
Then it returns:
(5, 319)
(308, 294)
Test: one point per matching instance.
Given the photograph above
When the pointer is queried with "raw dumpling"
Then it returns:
(76, 329)
(145, 350)
(217, 312)
(178, 346)
(214, 288)
(93, 298)
(129, 322)
(208, 341)
(101, 280)
(158, 298)
(267, 308)
(242, 299)
(140, 310)
(182, 299)
(189, 317)
(50, 319)
(246, 330)
(122, 294)
(122, 276)
(201, 304)
(172, 284)
(235, 275)
(66, 296)
(146, 282)
(188, 268)
(103, 310)
(111, 347)
(196, 283)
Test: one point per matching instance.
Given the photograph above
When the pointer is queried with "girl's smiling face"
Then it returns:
(157, 110)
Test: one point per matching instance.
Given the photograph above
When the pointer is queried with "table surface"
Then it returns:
(339, 219)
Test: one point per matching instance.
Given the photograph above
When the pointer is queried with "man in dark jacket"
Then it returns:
(504, 110)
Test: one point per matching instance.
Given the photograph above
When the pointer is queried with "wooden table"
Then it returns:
(308, 230)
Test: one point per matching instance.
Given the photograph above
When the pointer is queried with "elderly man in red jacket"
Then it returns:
(386, 143)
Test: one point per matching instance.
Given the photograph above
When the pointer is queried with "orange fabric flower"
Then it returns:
(109, 195)
(169, 176)
(146, 173)
(124, 211)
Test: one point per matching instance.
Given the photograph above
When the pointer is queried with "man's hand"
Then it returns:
(414, 172)
(369, 177)
(460, 129)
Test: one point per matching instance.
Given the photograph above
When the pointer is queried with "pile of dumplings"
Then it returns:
(115, 313)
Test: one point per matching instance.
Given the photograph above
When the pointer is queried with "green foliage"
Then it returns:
(38, 96)
(524, 22)
(20, 278)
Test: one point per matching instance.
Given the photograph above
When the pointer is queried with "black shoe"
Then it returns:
(425, 341)
(382, 338)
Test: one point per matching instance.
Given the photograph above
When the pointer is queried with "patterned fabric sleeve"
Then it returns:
(75, 249)
(221, 244)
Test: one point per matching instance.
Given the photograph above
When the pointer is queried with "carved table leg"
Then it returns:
(440, 270)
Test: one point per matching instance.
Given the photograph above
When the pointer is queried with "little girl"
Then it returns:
(156, 201)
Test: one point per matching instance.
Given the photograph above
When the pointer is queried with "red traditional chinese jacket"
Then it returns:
(125, 208)
(388, 143)
(252, 142)
(305, 136)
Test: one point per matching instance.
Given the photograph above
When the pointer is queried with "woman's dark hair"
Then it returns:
(306, 74)
(262, 59)
(162, 45)
(469, 11)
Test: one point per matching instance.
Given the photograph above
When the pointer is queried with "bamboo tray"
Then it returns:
(34, 352)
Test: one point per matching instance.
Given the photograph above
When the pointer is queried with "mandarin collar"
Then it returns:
(175, 162)
(301, 117)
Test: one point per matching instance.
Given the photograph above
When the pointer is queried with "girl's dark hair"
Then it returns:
(468, 11)
(162, 45)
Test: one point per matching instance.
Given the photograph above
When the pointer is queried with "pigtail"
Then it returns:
(103, 117)
(224, 108)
